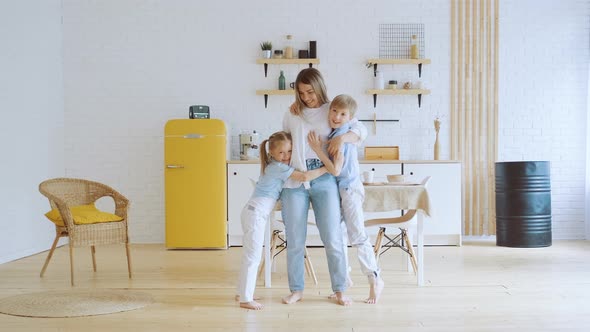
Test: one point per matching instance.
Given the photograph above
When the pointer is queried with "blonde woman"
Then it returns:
(310, 113)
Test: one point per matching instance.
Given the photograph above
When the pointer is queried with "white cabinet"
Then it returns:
(381, 171)
(239, 189)
(444, 188)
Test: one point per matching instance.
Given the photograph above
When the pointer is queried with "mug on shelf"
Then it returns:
(368, 176)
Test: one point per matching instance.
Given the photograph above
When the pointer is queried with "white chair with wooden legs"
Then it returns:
(401, 240)
(75, 216)
(278, 243)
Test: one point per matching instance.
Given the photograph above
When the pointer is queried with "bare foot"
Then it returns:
(251, 305)
(376, 286)
(342, 300)
(293, 297)
(237, 297)
(349, 284)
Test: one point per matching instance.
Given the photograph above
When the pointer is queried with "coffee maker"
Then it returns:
(248, 143)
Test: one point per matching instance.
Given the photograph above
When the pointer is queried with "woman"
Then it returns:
(310, 113)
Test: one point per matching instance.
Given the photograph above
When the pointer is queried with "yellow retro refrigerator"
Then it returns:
(195, 184)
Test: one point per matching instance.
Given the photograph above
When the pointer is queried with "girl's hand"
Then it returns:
(294, 109)
(334, 145)
(314, 141)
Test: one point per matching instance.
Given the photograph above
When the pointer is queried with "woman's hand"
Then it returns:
(334, 145)
(314, 141)
(294, 109)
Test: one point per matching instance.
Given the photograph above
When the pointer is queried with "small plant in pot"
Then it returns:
(266, 49)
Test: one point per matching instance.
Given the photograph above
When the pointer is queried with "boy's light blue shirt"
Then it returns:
(350, 167)
(271, 182)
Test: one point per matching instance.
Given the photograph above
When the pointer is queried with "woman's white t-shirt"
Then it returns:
(311, 119)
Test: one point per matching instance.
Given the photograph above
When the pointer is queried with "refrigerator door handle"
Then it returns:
(174, 166)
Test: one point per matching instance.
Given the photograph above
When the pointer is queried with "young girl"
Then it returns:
(275, 170)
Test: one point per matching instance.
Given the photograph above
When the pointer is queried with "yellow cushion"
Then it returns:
(83, 214)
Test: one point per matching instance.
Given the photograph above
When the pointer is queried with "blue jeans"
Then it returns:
(324, 196)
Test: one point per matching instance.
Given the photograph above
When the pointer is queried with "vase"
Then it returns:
(436, 148)
(436, 143)
(266, 54)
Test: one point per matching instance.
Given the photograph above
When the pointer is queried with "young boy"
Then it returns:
(345, 167)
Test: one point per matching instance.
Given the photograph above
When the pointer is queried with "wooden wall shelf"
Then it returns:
(288, 91)
(267, 62)
(378, 61)
(398, 92)
(418, 92)
(267, 93)
(288, 61)
(275, 92)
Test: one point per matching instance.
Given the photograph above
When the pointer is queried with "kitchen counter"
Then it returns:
(364, 161)
(443, 227)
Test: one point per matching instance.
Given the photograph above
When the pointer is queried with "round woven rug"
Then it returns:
(74, 303)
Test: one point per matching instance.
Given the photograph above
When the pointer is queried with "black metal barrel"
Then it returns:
(523, 204)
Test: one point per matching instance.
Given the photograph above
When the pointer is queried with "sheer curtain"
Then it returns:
(474, 108)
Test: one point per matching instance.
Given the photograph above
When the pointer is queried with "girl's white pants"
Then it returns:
(352, 211)
(254, 218)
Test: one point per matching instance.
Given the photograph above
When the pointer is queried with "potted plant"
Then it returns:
(266, 49)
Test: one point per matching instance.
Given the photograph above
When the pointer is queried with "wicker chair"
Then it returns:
(64, 193)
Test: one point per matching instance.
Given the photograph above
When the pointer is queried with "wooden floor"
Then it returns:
(476, 287)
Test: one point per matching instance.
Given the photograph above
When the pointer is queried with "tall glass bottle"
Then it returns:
(414, 47)
(289, 47)
(282, 81)
(378, 82)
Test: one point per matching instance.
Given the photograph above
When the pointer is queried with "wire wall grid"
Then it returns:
(395, 40)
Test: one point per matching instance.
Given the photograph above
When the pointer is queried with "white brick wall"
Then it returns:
(131, 65)
(543, 98)
(31, 128)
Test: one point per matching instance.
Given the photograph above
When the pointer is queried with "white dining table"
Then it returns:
(381, 197)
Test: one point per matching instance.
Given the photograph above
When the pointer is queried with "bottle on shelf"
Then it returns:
(414, 47)
(281, 81)
(313, 49)
(378, 82)
(289, 47)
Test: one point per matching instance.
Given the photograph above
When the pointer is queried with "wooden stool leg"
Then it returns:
(71, 264)
(309, 266)
(261, 266)
(57, 236)
(410, 250)
(378, 241)
(273, 249)
(128, 251)
(93, 251)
